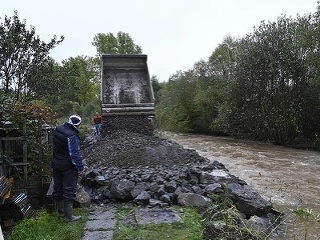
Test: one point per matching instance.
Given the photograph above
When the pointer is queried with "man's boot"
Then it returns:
(58, 206)
(68, 209)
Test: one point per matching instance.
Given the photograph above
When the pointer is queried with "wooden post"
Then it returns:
(25, 153)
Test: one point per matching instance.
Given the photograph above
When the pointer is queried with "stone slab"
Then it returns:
(220, 173)
(100, 224)
(103, 214)
(98, 235)
(147, 216)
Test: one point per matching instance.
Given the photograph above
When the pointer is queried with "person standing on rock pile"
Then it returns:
(67, 165)
(97, 121)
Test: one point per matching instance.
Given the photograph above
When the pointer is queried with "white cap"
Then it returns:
(75, 120)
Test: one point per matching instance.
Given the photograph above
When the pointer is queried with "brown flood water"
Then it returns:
(289, 178)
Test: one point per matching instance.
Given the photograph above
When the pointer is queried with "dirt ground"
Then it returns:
(127, 149)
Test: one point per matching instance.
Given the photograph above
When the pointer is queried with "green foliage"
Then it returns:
(27, 119)
(306, 214)
(80, 87)
(89, 110)
(69, 87)
(156, 86)
(175, 108)
(50, 227)
(36, 90)
(271, 83)
(223, 59)
(224, 221)
(38, 113)
(110, 44)
(21, 52)
(264, 86)
(195, 100)
(46, 81)
(191, 101)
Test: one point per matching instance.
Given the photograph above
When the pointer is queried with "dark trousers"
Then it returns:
(65, 184)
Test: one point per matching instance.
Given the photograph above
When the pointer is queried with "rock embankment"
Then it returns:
(148, 170)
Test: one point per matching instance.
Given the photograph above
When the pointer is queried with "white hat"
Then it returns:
(75, 120)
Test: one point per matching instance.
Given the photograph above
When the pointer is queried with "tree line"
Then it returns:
(28, 74)
(264, 86)
(36, 90)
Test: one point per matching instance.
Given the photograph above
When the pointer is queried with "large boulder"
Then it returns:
(193, 199)
(248, 200)
(122, 189)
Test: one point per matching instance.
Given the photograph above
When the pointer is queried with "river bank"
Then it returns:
(150, 170)
(287, 177)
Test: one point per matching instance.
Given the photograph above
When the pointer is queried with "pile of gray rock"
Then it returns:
(154, 172)
(186, 185)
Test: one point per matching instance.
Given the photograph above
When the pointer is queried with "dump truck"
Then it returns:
(127, 99)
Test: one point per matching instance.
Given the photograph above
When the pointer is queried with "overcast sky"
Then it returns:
(174, 34)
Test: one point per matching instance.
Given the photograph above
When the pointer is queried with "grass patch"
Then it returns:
(224, 221)
(306, 214)
(46, 226)
(190, 229)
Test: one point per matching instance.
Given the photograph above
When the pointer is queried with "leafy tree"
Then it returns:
(21, 51)
(156, 86)
(308, 34)
(47, 81)
(176, 109)
(210, 93)
(80, 86)
(110, 44)
(270, 80)
(220, 70)
(69, 87)
(223, 57)
(193, 100)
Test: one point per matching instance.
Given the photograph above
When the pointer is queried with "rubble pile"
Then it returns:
(126, 166)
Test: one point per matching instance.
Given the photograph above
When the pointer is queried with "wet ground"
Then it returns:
(102, 220)
(289, 178)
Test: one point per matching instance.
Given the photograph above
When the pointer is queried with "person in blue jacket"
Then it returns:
(67, 165)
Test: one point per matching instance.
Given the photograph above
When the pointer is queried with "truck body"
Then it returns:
(127, 100)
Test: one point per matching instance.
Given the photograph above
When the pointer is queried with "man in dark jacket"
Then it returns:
(67, 165)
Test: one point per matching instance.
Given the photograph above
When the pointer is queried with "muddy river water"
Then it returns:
(289, 178)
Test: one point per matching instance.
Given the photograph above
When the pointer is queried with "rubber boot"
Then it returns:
(58, 206)
(68, 209)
